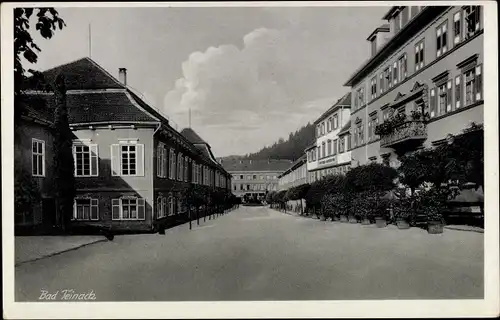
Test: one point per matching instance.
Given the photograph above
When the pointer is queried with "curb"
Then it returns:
(467, 230)
(58, 253)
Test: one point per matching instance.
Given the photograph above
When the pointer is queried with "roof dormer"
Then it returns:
(378, 38)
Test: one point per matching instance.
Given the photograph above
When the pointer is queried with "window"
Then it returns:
(387, 79)
(458, 92)
(323, 128)
(85, 209)
(186, 169)
(373, 87)
(161, 207)
(323, 150)
(402, 67)
(127, 159)
(372, 124)
(472, 17)
(161, 161)
(171, 173)
(335, 121)
(382, 82)
(360, 95)
(86, 160)
(335, 146)
(360, 134)
(341, 144)
(180, 169)
(318, 130)
(441, 38)
(433, 102)
(329, 152)
(255, 177)
(457, 28)
(419, 55)
(473, 85)
(241, 177)
(128, 208)
(395, 75)
(385, 114)
(329, 124)
(38, 158)
(374, 45)
(171, 205)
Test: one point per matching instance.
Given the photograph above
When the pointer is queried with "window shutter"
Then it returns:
(115, 160)
(449, 98)
(479, 82)
(94, 210)
(141, 210)
(433, 102)
(74, 160)
(140, 159)
(458, 92)
(158, 161)
(115, 204)
(94, 160)
(74, 209)
(381, 83)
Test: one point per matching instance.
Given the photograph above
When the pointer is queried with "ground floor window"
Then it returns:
(161, 207)
(86, 209)
(128, 208)
(171, 205)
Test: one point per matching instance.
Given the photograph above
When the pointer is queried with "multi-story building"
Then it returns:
(426, 60)
(295, 175)
(254, 178)
(330, 154)
(33, 156)
(131, 166)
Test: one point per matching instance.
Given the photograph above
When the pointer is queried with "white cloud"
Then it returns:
(245, 98)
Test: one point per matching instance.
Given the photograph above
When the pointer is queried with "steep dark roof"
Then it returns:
(93, 107)
(345, 102)
(80, 75)
(256, 165)
(192, 136)
(345, 129)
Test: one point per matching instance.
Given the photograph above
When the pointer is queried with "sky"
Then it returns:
(248, 75)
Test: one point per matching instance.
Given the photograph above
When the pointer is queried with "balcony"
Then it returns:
(405, 136)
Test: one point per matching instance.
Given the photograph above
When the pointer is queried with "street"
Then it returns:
(255, 253)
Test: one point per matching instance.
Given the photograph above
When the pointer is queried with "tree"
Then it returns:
(64, 180)
(24, 46)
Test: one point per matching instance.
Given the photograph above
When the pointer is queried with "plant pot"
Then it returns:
(366, 222)
(402, 224)
(380, 222)
(343, 219)
(352, 219)
(435, 227)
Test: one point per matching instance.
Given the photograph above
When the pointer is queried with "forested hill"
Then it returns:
(291, 149)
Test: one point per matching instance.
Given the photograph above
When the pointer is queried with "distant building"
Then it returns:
(254, 178)
(426, 59)
(330, 154)
(295, 175)
(131, 166)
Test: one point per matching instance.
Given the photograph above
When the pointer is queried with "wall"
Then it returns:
(452, 123)
(105, 186)
(272, 181)
(27, 131)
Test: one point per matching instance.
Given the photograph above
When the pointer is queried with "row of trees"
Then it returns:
(420, 188)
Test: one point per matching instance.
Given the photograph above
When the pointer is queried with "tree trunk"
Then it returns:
(189, 217)
(64, 181)
(301, 207)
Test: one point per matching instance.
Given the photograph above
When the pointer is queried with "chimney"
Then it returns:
(122, 75)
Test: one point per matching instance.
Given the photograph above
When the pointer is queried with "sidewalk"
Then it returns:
(464, 228)
(30, 248)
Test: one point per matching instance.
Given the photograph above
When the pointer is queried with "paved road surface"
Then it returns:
(260, 254)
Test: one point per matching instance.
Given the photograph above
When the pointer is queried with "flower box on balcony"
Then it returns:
(415, 131)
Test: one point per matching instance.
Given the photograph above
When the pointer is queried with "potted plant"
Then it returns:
(403, 211)
(432, 203)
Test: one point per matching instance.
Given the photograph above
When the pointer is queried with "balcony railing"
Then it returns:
(414, 131)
